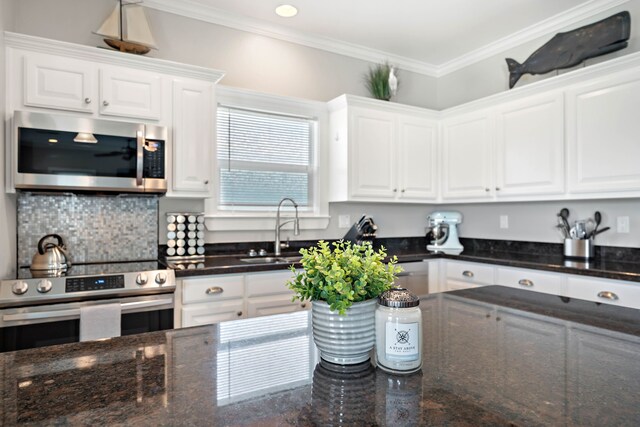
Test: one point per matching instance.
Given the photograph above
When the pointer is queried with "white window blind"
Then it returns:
(263, 157)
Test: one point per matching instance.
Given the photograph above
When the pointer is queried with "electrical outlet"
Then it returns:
(344, 221)
(504, 221)
(623, 224)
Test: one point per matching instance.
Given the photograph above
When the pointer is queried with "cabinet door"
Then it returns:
(530, 147)
(274, 304)
(193, 133)
(466, 159)
(532, 357)
(598, 363)
(602, 135)
(213, 312)
(130, 93)
(417, 159)
(372, 154)
(60, 83)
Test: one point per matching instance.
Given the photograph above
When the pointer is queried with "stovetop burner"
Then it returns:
(95, 269)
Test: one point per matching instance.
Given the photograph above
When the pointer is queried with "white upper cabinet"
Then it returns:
(59, 83)
(381, 152)
(193, 132)
(82, 86)
(603, 131)
(529, 150)
(130, 93)
(417, 156)
(466, 157)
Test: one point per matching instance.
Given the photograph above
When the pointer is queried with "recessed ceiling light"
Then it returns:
(286, 11)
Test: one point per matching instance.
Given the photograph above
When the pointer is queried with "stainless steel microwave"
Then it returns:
(58, 152)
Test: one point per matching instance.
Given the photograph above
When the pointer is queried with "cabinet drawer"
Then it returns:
(212, 288)
(470, 272)
(604, 291)
(213, 312)
(274, 304)
(547, 283)
(268, 283)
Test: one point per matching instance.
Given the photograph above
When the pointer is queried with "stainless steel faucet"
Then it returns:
(296, 225)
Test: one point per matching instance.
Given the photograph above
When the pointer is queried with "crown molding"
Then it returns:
(541, 29)
(197, 10)
(108, 56)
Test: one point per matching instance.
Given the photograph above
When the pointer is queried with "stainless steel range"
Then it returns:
(36, 312)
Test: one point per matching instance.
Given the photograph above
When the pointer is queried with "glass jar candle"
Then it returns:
(398, 331)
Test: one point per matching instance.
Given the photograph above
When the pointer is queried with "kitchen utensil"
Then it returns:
(564, 217)
(602, 230)
(597, 216)
(51, 258)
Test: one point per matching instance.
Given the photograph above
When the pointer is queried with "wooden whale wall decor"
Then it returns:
(566, 50)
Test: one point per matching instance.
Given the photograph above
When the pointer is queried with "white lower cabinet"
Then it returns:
(614, 292)
(530, 280)
(462, 275)
(218, 298)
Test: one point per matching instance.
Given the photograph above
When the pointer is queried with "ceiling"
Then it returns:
(428, 36)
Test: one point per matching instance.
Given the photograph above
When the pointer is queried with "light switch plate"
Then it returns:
(623, 224)
(504, 221)
(344, 221)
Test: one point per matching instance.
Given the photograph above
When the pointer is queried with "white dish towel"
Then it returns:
(100, 321)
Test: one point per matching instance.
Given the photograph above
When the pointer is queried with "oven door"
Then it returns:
(44, 325)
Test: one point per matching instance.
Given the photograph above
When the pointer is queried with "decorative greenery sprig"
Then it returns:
(377, 81)
(347, 274)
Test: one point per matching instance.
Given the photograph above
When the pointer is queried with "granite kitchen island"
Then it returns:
(492, 356)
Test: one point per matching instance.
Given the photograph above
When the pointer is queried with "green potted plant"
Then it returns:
(343, 281)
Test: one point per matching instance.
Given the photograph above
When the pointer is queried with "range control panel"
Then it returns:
(95, 283)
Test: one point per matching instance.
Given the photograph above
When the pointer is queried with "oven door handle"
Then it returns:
(139, 156)
(75, 312)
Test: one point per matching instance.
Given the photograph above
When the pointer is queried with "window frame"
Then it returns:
(316, 216)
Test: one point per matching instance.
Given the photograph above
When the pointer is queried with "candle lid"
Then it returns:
(398, 298)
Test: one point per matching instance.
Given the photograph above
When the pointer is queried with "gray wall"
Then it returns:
(491, 75)
(7, 202)
(249, 60)
(273, 66)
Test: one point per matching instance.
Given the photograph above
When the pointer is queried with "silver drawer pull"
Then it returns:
(607, 295)
(525, 282)
(214, 290)
(467, 273)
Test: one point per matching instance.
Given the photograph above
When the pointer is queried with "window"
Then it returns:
(263, 157)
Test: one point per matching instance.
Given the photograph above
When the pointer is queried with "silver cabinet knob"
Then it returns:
(214, 290)
(44, 286)
(142, 279)
(87, 100)
(525, 282)
(161, 278)
(20, 288)
(105, 103)
(402, 191)
(303, 305)
(395, 190)
(487, 189)
(206, 182)
(608, 295)
(497, 188)
(467, 273)
(239, 313)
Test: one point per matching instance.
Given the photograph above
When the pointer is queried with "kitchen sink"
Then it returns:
(271, 260)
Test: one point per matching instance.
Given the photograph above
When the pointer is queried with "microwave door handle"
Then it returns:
(139, 156)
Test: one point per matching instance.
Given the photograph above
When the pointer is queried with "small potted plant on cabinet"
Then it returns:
(343, 281)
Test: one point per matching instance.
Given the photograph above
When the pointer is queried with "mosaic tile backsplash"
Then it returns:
(94, 228)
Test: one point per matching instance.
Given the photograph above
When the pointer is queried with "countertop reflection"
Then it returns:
(492, 356)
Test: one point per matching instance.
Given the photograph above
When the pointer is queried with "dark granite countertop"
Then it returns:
(609, 263)
(492, 356)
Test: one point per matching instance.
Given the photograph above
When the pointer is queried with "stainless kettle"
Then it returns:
(51, 258)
